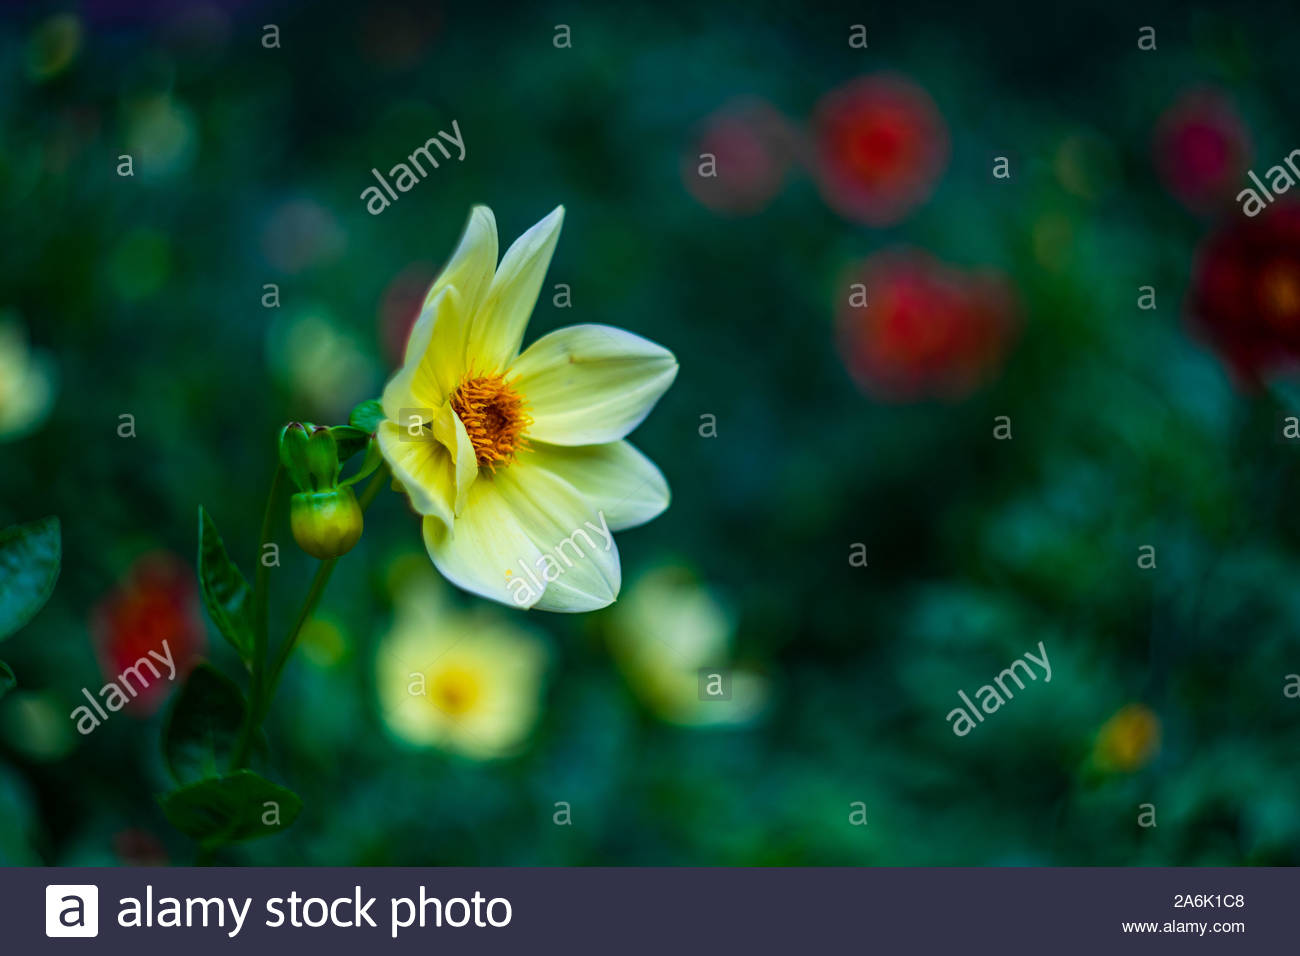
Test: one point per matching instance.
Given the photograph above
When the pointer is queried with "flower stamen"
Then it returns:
(494, 415)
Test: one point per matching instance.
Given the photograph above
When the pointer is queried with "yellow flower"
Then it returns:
(1127, 741)
(465, 682)
(26, 382)
(672, 640)
(517, 460)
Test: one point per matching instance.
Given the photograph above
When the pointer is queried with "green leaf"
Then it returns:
(203, 725)
(226, 593)
(30, 555)
(7, 679)
(237, 806)
(367, 416)
(374, 458)
(350, 440)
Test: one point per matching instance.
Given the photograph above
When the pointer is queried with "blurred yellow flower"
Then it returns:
(468, 682)
(26, 382)
(517, 461)
(672, 639)
(1127, 741)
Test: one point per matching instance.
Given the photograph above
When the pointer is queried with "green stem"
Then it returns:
(260, 705)
(318, 584)
(373, 487)
(260, 597)
(260, 615)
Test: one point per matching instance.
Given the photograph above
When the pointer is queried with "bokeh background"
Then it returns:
(850, 531)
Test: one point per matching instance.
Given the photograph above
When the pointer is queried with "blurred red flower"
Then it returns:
(1246, 291)
(1202, 150)
(740, 158)
(911, 327)
(137, 847)
(157, 601)
(880, 146)
(400, 307)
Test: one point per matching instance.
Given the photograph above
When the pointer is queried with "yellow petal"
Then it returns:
(471, 266)
(500, 320)
(527, 539)
(435, 351)
(450, 430)
(591, 384)
(487, 550)
(419, 386)
(578, 559)
(615, 479)
(423, 466)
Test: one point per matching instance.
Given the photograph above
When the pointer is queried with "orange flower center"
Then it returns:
(495, 417)
(1282, 292)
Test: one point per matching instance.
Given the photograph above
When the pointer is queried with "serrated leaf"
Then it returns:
(203, 725)
(367, 416)
(230, 808)
(7, 679)
(226, 593)
(30, 555)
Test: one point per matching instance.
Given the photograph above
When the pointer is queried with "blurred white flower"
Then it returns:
(672, 638)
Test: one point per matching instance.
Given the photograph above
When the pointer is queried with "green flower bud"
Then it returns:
(326, 524)
(311, 456)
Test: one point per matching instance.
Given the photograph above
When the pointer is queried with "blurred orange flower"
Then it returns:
(880, 147)
(1127, 741)
(911, 327)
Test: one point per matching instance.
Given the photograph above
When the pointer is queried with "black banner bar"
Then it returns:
(335, 910)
